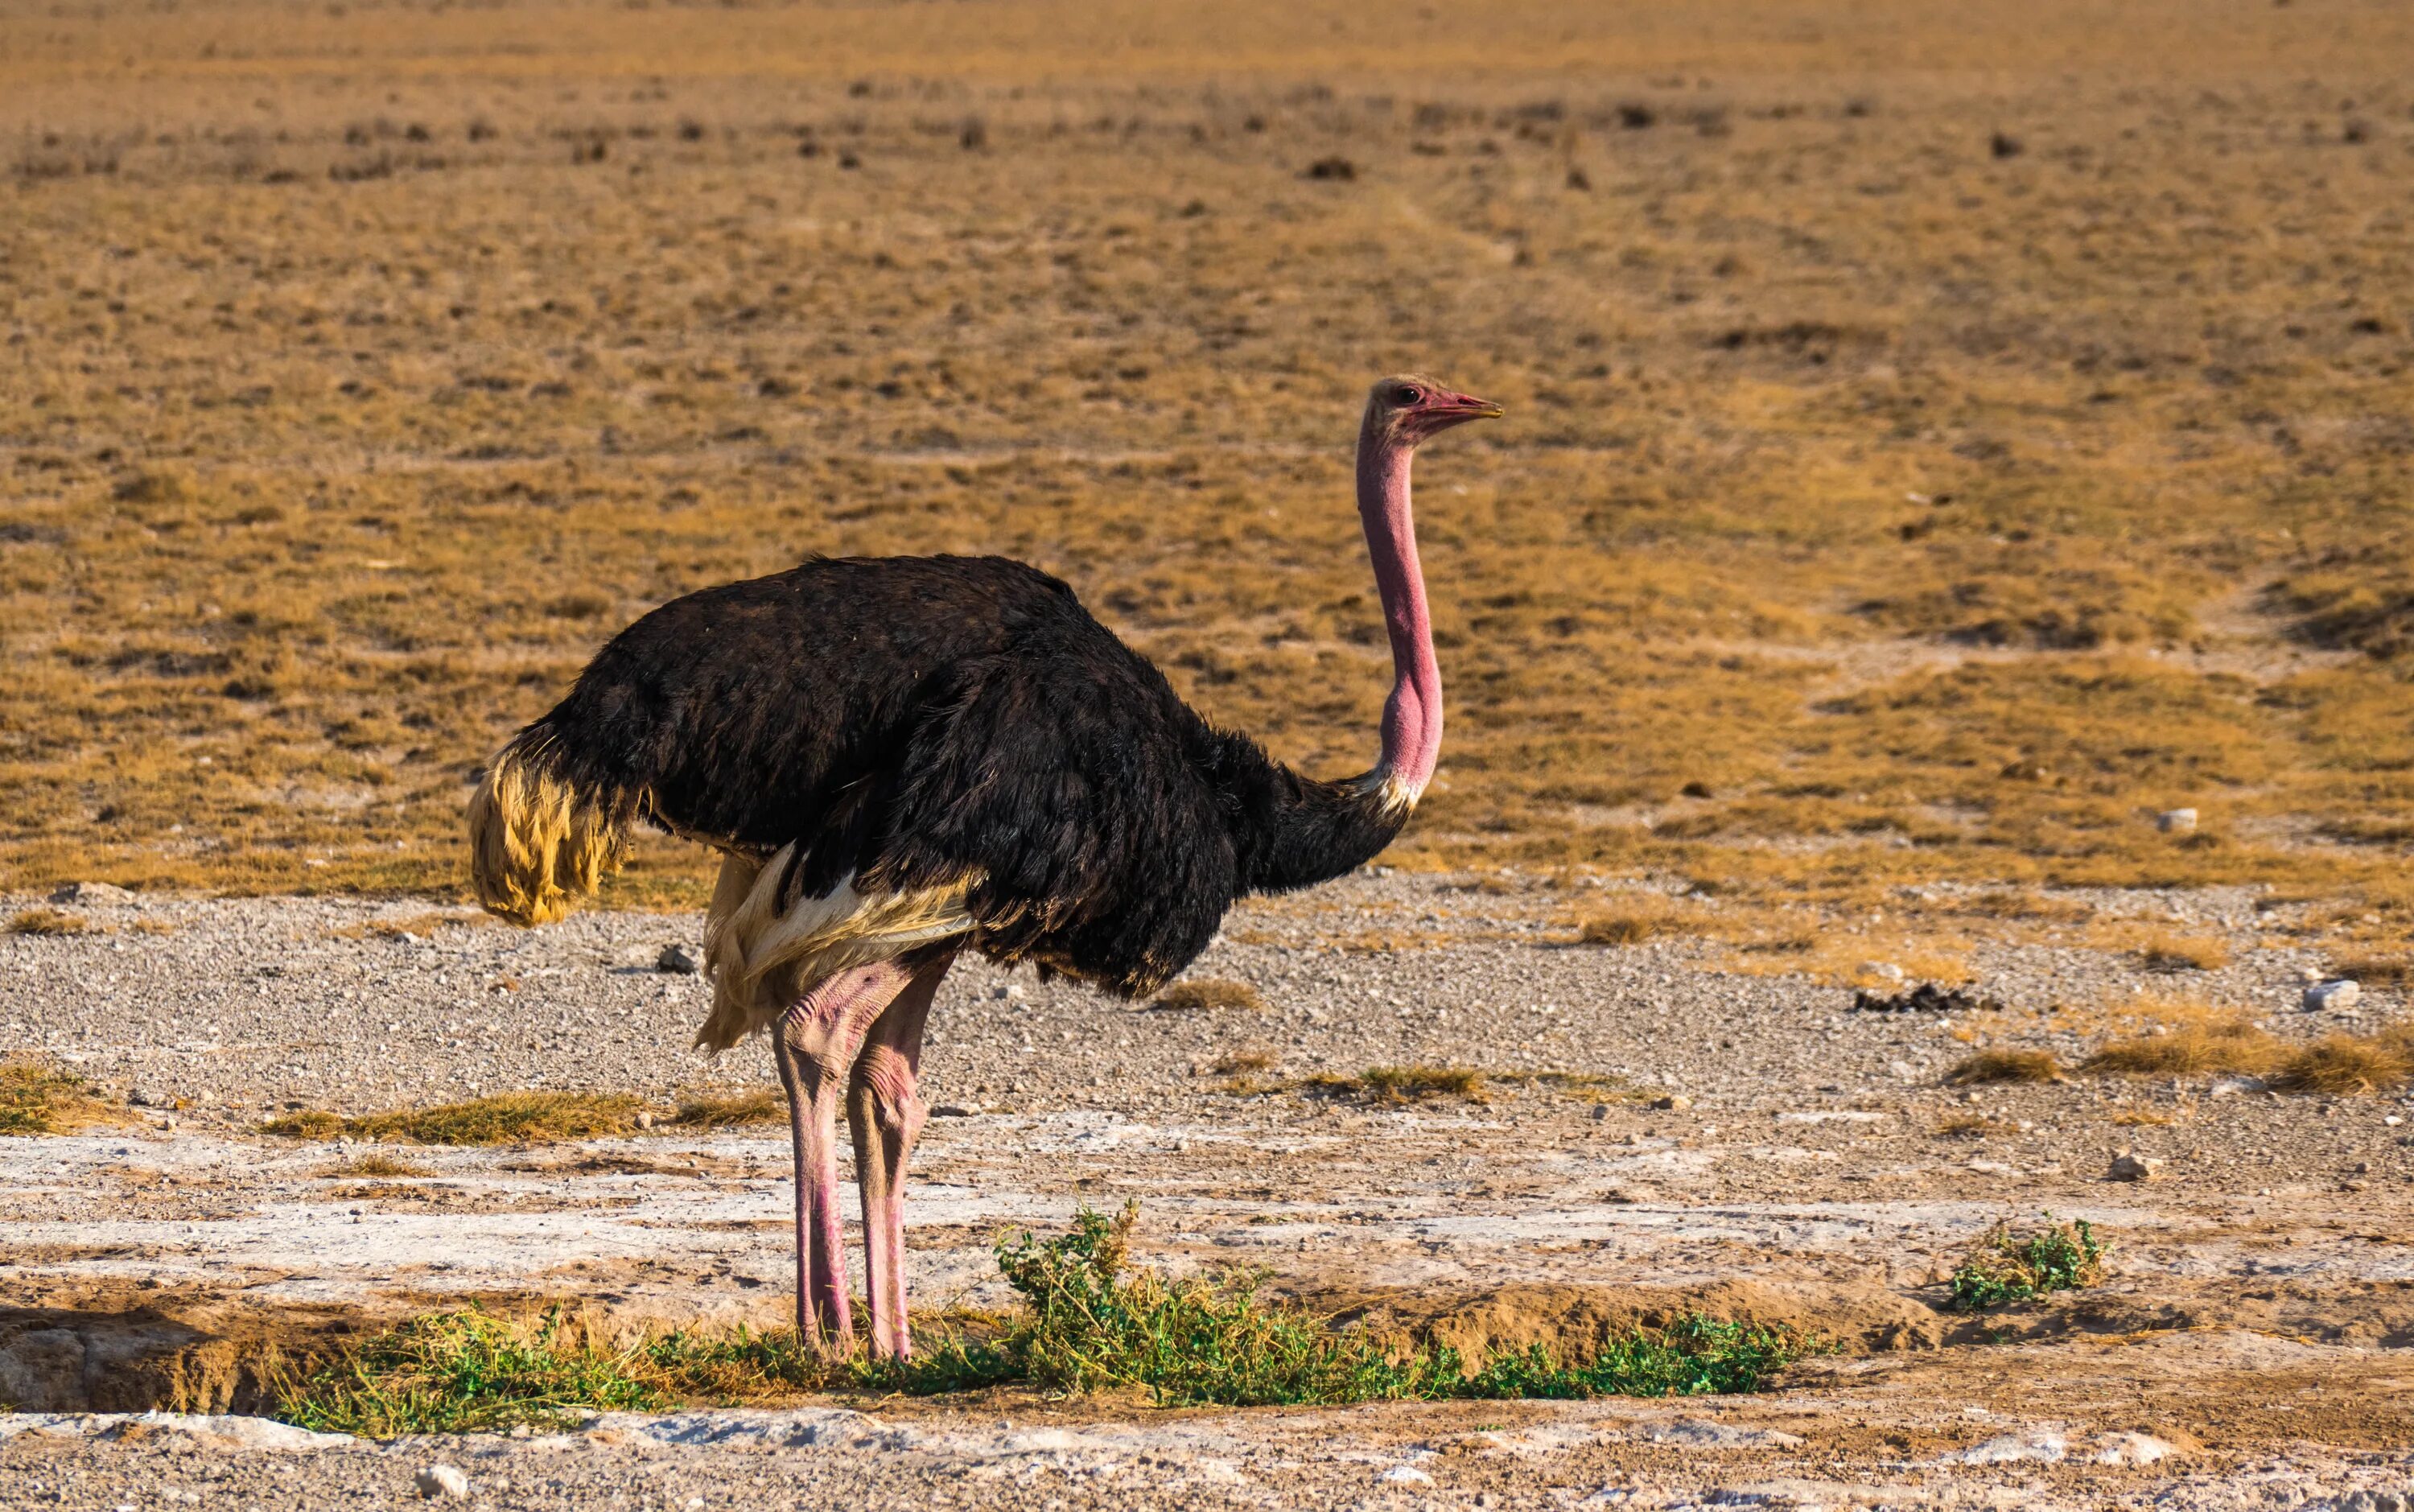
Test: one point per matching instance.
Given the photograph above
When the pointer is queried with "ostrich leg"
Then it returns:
(886, 1112)
(815, 1044)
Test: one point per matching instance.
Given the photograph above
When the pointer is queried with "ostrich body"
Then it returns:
(904, 757)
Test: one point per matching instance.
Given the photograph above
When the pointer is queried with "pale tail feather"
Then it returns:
(761, 959)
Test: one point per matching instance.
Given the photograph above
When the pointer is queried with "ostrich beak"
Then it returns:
(1457, 409)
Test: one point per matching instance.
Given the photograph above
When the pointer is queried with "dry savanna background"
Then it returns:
(1941, 437)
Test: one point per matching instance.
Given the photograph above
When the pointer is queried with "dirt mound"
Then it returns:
(1577, 1322)
(2356, 1315)
(199, 1359)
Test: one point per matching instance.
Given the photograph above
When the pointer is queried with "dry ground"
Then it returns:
(1941, 435)
(2257, 1319)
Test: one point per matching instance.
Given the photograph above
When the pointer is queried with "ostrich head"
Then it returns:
(1408, 408)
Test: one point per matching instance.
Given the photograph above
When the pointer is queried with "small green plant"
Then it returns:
(1693, 1356)
(2005, 1268)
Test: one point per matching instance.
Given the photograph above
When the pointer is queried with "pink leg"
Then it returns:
(815, 1044)
(886, 1113)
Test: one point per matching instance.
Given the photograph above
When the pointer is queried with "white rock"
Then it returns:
(443, 1480)
(1708, 1433)
(2239, 1087)
(2131, 1450)
(2176, 822)
(1885, 971)
(92, 892)
(2010, 1448)
(1406, 1475)
(2130, 1167)
(2334, 995)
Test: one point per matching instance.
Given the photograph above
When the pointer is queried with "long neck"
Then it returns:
(1412, 714)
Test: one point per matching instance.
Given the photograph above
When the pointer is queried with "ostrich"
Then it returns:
(900, 758)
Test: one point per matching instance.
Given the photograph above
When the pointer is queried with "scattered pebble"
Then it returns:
(1927, 998)
(2131, 1450)
(1674, 1103)
(2010, 1448)
(677, 961)
(443, 1480)
(2333, 996)
(2130, 1167)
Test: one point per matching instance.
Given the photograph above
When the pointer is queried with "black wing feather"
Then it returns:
(914, 720)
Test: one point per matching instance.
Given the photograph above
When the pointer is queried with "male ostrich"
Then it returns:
(902, 757)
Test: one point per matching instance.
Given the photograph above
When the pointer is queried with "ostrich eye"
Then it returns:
(1409, 395)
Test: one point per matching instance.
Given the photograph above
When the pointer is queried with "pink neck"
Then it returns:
(1412, 714)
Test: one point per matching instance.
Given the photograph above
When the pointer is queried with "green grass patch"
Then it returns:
(2005, 1268)
(35, 1100)
(471, 1371)
(1090, 1322)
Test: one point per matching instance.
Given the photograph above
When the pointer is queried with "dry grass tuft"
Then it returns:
(2374, 972)
(2234, 1045)
(47, 921)
(1415, 1083)
(416, 927)
(372, 1165)
(743, 1111)
(1628, 926)
(34, 1099)
(2343, 1065)
(1244, 1063)
(1966, 1126)
(2165, 951)
(2006, 1066)
(2141, 1119)
(1210, 992)
(510, 1118)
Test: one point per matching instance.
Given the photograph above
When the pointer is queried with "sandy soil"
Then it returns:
(2254, 1328)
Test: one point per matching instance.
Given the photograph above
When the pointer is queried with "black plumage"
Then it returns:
(913, 720)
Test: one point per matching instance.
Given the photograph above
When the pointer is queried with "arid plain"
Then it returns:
(1943, 440)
